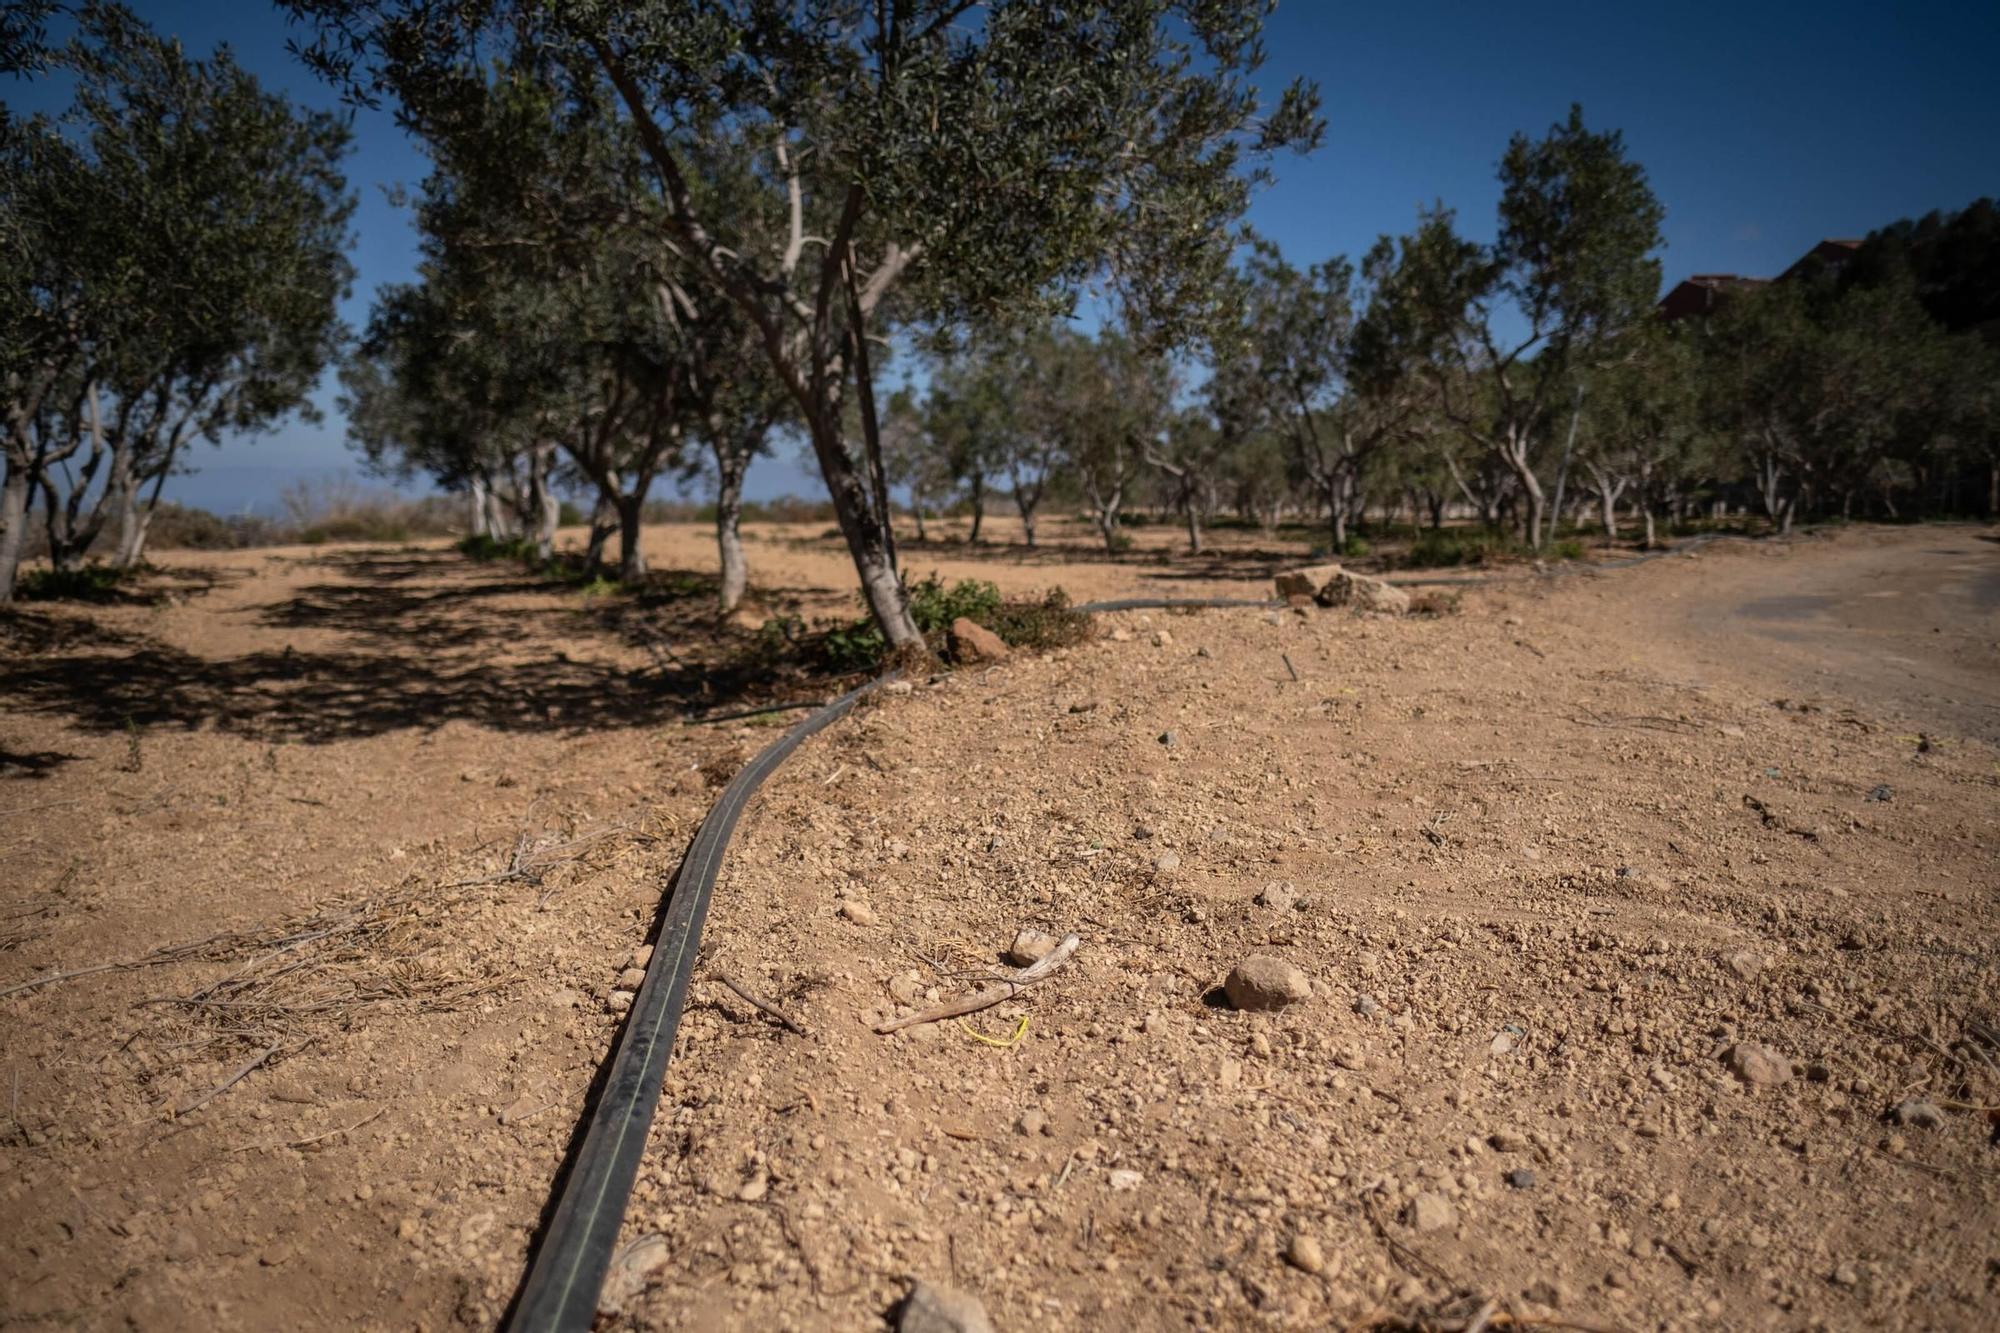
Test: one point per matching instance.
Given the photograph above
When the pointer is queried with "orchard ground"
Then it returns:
(367, 836)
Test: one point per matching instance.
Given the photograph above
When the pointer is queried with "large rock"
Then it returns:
(1262, 981)
(934, 1309)
(973, 642)
(1363, 594)
(1304, 582)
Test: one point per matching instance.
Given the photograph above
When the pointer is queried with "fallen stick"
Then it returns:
(763, 1006)
(1006, 990)
(173, 953)
(242, 1072)
(321, 1137)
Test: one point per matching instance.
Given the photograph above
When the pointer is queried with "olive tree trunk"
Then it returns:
(13, 528)
(729, 537)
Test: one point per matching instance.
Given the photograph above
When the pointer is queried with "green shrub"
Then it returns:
(859, 645)
(1040, 626)
(934, 606)
(1569, 548)
(1434, 547)
(482, 547)
(85, 583)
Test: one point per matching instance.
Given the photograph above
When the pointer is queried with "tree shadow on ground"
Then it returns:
(412, 655)
(32, 764)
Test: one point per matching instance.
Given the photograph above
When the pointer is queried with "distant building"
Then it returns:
(1701, 294)
(1704, 293)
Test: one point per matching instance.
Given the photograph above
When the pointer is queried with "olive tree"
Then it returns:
(960, 157)
(170, 262)
(1507, 328)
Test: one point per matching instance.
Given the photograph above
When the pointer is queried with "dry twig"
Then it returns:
(242, 1072)
(1010, 985)
(763, 1006)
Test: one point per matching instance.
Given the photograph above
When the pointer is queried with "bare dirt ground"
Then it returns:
(369, 835)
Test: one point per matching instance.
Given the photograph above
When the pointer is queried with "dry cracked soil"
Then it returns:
(1645, 919)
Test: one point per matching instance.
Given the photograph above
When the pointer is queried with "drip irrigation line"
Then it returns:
(561, 1289)
(1174, 603)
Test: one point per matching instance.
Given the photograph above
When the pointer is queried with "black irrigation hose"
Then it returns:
(562, 1287)
(1173, 603)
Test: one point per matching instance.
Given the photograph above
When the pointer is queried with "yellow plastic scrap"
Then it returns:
(1010, 1040)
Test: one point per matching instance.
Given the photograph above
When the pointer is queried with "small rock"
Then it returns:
(1279, 896)
(1120, 635)
(933, 1309)
(640, 957)
(1124, 1180)
(860, 913)
(1881, 792)
(1305, 1255)
(1162, 639)
(754, 1189)
(1507, 1140)
(1030, 946)
(973, 642)
(1521, 1179)
(1170, 739)
(1431, 1212)
(1918, 1115)
(1083, 706)
(619, 1001)
(631, 978)
(1167, 863)
(1367, 1006)
(1262, 981)
(899, 687)
(1033, 1122)
(275, 1255)
(182, 1247)
(1757, 1065)
(906, 987)
(1744, 963)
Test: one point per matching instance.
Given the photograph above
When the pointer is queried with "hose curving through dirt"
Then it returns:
(561, 1289)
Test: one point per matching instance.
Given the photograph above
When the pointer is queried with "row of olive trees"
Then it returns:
(172, 250)
(1522, 382)
(1438, 364)
(552, 342)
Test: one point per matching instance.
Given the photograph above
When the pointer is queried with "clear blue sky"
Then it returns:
(1764, 128)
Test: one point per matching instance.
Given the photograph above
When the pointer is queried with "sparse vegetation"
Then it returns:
(78, 583)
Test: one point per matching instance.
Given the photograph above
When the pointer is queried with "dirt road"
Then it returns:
(370, 834)
(1907, 622)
